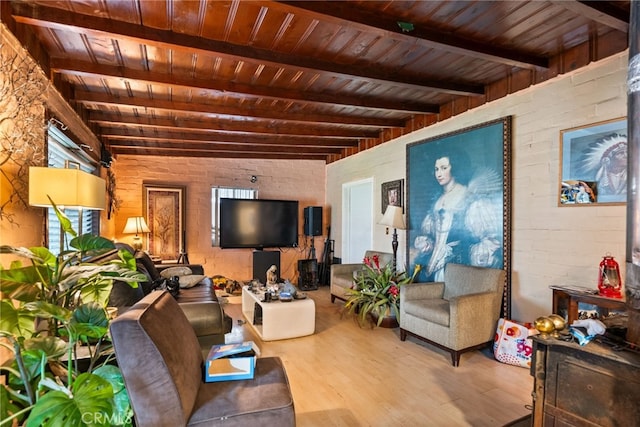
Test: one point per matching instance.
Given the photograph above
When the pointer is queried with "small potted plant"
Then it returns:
(376, 293)
(51, 307)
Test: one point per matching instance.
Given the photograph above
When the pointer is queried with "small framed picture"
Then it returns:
(392, 194)
(593, 164)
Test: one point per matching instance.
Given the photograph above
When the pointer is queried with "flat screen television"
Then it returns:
(258, 223)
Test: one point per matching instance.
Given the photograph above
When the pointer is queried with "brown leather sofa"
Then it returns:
(160, 359)
(199, 302)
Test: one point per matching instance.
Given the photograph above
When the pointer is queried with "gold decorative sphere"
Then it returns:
(544, 325)
(558, 321)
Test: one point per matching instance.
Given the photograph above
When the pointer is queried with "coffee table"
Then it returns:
(280, 320)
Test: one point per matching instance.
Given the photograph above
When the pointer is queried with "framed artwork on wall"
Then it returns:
(392, 194)
(593, 164)
(164, 208)
(459, 201)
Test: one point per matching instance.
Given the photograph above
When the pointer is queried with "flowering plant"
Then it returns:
(376, 290)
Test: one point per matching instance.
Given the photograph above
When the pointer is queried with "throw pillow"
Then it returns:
(175, 271)
(190, 280)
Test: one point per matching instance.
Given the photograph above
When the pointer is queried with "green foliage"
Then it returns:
(50, 306)
(376, 291)
(88, 402)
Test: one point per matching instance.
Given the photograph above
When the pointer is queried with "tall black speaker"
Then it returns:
(313, 221)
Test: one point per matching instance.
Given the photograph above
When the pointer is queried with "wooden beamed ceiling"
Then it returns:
(298, 79)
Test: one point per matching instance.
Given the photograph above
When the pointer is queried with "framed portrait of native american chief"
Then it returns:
(593, 164)
(459, 201)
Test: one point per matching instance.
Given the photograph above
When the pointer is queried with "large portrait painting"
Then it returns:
(164, 206)
(459, 201)
(593, 164)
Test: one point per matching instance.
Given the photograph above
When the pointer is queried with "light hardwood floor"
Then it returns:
(345, 375)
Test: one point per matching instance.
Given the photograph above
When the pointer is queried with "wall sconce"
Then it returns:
(136, 225)
(254, 179)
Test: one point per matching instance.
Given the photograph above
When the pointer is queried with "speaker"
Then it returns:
(308, 274)
(313, 221)
(262, 260)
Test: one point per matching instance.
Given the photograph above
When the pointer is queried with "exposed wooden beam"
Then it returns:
(85, 98)
(346, 13)
(227, 138)
(79, 68)
(47, 17)
(599, 11)
(216, 154)
(210, 146)
(110, 120)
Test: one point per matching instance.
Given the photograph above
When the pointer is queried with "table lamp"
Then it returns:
(393, 218)
(136, 225)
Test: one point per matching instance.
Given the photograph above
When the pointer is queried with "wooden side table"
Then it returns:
(564, 297)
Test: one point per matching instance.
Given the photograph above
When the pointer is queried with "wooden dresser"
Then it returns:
(590, 385)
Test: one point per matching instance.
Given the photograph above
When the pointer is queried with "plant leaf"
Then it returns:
(90, 404)
(122, 405)
(21, 283)
(48, 310)
(90, 245)
(65, 222)
(89, 321)
(53, 347)
(16, 320)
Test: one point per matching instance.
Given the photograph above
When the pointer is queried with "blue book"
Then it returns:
(227, 362)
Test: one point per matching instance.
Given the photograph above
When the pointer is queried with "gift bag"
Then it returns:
(512, 344)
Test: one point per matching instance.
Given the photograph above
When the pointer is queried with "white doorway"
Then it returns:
(357, 220)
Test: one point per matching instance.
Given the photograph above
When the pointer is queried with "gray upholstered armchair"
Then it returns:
(342, 275)
(457, 315)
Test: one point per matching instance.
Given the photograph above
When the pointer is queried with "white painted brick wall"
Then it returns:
(550, 244)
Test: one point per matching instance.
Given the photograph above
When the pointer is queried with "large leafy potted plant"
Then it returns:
(375, 293)
(54, 308)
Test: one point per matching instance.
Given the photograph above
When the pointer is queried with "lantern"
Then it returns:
(609, 282)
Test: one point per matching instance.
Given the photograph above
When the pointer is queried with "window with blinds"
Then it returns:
(62, 150)
(218, 193)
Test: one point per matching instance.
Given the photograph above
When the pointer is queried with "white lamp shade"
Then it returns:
(136, 225)
(68, 188)
(393, 217)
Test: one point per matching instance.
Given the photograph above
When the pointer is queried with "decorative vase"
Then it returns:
(388, 319)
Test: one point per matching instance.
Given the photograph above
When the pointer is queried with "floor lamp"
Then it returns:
(68, 188)
(393, 218)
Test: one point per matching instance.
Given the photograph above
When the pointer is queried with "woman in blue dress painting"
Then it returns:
(464, 224)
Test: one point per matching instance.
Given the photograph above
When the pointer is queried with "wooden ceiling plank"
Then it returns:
(48, 17)
(83, 68)
(105, 119)
(84, 97)
(344, 13)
